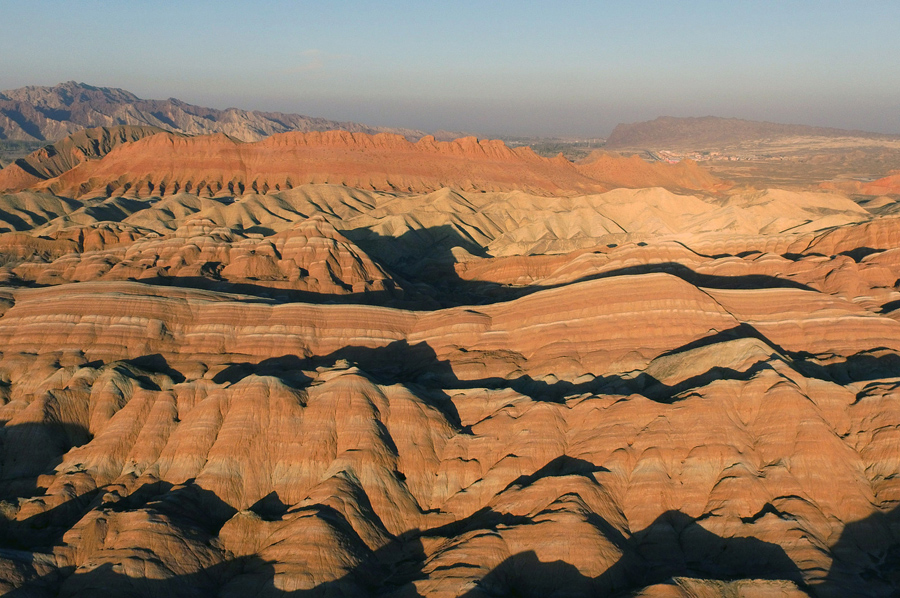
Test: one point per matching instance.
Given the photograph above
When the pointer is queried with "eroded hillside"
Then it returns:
(325, 389)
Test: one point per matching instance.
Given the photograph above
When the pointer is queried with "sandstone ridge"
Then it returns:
(342, 388)
(214, 165)
(53, 160)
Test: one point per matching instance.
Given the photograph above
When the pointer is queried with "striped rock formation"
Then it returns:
(335, 391)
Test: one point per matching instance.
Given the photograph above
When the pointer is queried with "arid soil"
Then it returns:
(763, 154)
(334, 364)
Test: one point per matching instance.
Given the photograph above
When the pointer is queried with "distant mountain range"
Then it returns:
(47, 114)
(33, 116)
(714, 132)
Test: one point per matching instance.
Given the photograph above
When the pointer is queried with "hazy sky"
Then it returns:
(567, 68)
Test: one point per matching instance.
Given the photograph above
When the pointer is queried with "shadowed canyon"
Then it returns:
(343, 364)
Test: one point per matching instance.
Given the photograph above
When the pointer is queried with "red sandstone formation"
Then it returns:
(53, 160)
(328, 390)
(888, 185)
(216, 164)
(636, 173)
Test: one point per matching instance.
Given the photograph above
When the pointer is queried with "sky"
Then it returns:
(573, 68)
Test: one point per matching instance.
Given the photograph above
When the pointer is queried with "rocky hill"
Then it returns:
(344, 389)
(53, 160)
(37, 113)
(667, 132)
(210, 165)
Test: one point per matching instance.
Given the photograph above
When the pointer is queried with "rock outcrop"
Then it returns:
(338, 391)
(51, 113)
(53, 160)
(636, 173)
(218, 165)
(888, 185)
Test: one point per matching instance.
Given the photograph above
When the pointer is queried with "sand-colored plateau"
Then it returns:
(335, 364)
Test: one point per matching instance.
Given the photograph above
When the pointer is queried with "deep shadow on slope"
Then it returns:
(421, 265)
(867, 564)
(866, 559)
(672, 546)
(867, 556)
(419, 367)
(189, 508)
(275, 295)
(29, 450)
(425, 257)
(421, 262)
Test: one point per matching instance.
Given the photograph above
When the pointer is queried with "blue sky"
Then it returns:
(566, 68)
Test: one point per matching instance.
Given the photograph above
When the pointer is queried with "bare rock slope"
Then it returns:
(327, 390)
(213, 165)
(51, 113)
(55, 159)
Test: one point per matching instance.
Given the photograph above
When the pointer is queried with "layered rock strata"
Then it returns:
(327, 391)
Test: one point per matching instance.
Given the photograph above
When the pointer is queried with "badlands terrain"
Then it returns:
(343, 364)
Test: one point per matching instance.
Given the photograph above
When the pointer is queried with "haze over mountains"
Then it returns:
(349, 364)
(37, 113)
(765, 154)
(715, 132)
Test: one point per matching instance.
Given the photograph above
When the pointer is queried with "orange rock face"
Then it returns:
(888, 185)
(346, 390)
(55, 159)
(217, 164)
(636, 173)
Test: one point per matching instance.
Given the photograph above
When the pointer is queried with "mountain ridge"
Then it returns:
(49, 113)
(55, 159)
(167, 163)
